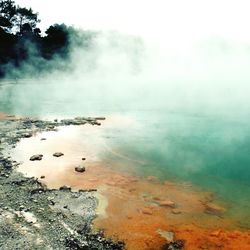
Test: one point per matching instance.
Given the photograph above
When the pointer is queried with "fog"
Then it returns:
(131, 72)
(163, 55)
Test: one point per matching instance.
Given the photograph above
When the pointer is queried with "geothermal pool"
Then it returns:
(198, 155)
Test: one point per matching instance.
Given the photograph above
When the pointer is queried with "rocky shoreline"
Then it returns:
(35, 217)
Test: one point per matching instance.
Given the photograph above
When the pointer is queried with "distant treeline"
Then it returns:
(22, 42)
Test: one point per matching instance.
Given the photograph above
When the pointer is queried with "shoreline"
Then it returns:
(156, 224)
(34, 216)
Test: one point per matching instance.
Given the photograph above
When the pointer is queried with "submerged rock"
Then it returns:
(80, 169)
(216, 233)
(176, 211)
(214, 209)
(36, 157)
(58, 154)
(167, 203)
(147, 210)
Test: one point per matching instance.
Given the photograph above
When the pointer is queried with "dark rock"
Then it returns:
(68, 188)
(37, 190)
(36, 158)
(27, 135)
(175, 245)
(58, 154)
(83, 158)
(80, 169)
(21, 207)
(43, 139)
(87, 190)
(100, 118)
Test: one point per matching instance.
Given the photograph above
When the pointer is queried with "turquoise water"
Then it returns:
(209, 150)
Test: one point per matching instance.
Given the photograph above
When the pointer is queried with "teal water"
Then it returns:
(210, 150)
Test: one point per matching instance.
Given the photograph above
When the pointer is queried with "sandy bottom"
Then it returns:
(144, 212)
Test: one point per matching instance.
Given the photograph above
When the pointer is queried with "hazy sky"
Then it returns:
(162, 19)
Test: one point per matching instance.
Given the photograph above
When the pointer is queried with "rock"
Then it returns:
(42, 177)
(214, 209)
(152, 178)
(83, 159)
(36, 158)
(216, 233)
(87, 190)
(167, 203)
(147, 210)
(27, 135)
(100, 118)
(80, 169)
(156, 198)
(175, 245)
(65, 188)
(175, 211)
(43, 139)
(169, 236)
(58, 154)
(21, 207)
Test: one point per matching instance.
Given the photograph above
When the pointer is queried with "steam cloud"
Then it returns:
(206, 76)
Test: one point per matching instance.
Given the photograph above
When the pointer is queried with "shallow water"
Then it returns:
(208, 149)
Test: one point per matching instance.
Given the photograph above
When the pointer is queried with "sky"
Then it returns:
(162, 20)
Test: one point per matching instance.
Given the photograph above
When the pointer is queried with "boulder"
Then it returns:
(80, 169)
(58, 154)
(27, 135)
(36, 158)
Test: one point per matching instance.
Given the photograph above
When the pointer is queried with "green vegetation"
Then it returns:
(22, 44)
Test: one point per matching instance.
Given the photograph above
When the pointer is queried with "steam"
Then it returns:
(131, 72)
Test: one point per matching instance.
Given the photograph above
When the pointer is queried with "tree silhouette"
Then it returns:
(7, 14)
(25, 17)
(21, 42)
(12, 17)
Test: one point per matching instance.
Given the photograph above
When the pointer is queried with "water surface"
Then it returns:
(208, 149)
